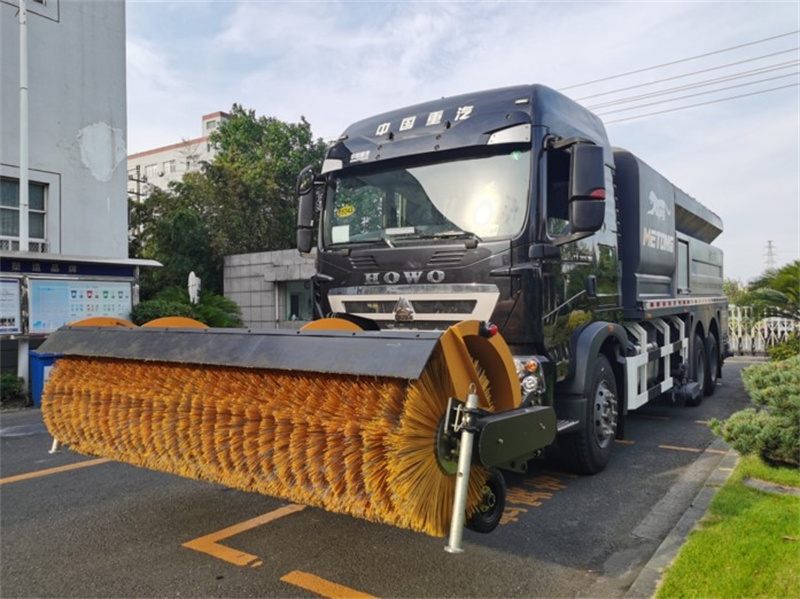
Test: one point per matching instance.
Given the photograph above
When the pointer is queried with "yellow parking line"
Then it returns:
(624, 442)
(674, 448)
(323, 587)
(209, 543)
(49, 471)
(692, 449)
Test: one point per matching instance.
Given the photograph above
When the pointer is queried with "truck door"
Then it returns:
(584, 277)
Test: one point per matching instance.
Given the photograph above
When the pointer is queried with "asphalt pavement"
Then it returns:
(105, 529)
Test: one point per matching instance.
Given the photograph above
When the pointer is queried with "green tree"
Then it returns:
(242, 201)
(735, 291)
(777, 292)
(171, 229)
(256, 166)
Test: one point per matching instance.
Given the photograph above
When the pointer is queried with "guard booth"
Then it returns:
(41, 292)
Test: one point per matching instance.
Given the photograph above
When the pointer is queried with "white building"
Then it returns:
(76, 262)
(77, 124)
(160, 166)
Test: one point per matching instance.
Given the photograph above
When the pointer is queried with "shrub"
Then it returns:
(212, 309)
(787, 349)
(772, 428)
(156, 308)
(12, 388)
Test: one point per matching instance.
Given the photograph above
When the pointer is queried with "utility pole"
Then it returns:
(138, 179)
(769, 255)
(24, 197)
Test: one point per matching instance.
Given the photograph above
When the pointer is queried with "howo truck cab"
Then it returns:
(511, 207)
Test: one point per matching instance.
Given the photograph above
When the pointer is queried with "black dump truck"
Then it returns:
(510, 206)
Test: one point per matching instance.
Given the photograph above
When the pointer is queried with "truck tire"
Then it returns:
(589, 450)
(490, 510)
(698, 367)
(712, 359)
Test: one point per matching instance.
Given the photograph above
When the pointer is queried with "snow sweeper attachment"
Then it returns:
(376, 424)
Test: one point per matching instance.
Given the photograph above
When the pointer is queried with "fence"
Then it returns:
(748, 336)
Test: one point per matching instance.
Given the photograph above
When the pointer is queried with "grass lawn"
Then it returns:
(748, 545)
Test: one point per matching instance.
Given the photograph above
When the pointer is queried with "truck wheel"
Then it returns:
(588, 450)
(698, 367)
(712, 359)
(490, 509)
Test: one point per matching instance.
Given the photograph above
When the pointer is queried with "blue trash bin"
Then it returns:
(40, 365)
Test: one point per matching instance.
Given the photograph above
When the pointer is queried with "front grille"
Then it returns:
(363, 262)
(447, 258)
(419, 306)
(444, 306)
(370, 307)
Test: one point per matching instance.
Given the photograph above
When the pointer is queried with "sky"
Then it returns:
(336, 62)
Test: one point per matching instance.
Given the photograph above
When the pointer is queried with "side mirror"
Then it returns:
(305, 240)
(587, 189)
(306, 200)
(586, 216)
(587, 178)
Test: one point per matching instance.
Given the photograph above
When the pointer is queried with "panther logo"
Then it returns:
(658, 207)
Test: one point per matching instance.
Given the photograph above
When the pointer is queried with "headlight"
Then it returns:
(530, 374)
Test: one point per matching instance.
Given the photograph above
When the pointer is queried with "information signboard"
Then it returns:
(54, 303)
(10, 316)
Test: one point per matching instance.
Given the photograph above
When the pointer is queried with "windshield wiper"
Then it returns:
(385, 240)
(456, 233)
(450, 234)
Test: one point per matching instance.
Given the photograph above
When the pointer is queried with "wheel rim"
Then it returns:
(605, 415)
(488, 500)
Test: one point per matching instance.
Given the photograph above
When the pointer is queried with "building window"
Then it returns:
(9, 209)
(170, 166)
(150, 171)
(211, 125)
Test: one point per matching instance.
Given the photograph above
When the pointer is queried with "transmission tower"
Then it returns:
(769, 255)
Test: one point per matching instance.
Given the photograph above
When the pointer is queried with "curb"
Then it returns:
(649, 577)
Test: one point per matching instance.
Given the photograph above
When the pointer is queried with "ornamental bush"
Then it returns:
(157, 308)
(787, 349)
(771, 428)
(12, 389)
(212, 309)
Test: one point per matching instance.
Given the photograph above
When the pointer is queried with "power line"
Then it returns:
(763, 91)
(674, 62)
(734, 76)
(705, 93)
(730, 64)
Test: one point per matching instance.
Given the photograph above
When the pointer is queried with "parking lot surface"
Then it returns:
(74, 526)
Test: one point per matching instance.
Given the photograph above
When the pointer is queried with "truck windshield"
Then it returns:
(481, 198)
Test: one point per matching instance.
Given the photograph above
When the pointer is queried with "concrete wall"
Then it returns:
(77, 108)
(258, 283)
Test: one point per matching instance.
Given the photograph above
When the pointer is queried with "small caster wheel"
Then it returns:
(493, 502)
